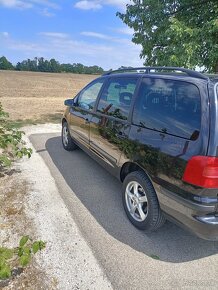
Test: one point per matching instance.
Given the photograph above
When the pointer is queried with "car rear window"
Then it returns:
(169, 106)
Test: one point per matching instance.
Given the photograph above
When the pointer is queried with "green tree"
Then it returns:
(43, 65)
(54, 66)
(5, 64)
(175, 32)
(27, 65)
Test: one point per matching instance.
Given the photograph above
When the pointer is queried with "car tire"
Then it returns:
(140, 202)
(67, 141)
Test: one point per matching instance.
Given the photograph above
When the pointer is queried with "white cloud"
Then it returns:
(54, 34)
(4, 34)
(88, 5)
(95, 34)
(116, 2)
(26, 4)
(46, 3)
(98, 4)
(125, 30)
(105, 37)
(16, 4)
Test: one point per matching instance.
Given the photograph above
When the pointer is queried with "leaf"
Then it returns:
(24, 260)
(42, 245)
(20, 252)
(19, 154)
(35, 247)
(23, 240)
(2, 261)
(6, 253)
(5, 272)
(27, 250)
(5, 160)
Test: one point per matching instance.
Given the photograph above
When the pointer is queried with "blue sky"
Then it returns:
(82, 31)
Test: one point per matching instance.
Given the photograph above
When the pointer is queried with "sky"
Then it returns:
(80, 31)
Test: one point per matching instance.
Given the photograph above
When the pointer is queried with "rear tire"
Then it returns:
(67, 141)
(140, 202)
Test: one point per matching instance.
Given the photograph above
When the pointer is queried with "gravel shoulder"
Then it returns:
(67, 261)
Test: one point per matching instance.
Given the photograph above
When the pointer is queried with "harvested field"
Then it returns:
(35, 96)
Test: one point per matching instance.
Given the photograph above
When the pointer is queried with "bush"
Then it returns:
(12, 146)
(11, 259)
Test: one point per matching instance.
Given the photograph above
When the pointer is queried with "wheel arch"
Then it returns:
(129, 167)
(63, 120)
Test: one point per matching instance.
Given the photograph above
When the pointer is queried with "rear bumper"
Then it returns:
(200, 219)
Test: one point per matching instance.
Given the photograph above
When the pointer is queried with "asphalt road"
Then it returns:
(168, 259)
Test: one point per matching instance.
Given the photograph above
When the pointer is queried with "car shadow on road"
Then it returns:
(99, 192)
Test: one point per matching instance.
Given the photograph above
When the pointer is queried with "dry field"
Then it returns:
(38, 97)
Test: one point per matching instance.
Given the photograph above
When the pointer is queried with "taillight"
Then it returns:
(202, 171)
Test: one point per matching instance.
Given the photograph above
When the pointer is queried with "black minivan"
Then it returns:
(155, 129)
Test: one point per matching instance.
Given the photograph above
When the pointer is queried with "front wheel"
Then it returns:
(67, 141)
(140, 202)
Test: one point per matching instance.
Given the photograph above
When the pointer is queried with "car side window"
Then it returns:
(169, 106)
(116, 97)
(87, 97)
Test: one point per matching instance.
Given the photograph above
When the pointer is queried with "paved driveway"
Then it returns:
(168, 259)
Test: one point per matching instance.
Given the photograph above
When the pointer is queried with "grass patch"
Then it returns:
(21, 123)
(50, 118)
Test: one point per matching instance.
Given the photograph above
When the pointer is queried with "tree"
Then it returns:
(175, 32)
(27, 65)
(5, 64)
(54, 66)
(43, 64)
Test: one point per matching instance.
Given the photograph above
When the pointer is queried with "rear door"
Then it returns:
(81, 112)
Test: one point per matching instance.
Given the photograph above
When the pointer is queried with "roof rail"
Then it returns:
(147, 70)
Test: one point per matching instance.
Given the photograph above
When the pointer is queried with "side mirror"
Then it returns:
(69, 102)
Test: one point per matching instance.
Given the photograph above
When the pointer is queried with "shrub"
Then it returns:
(11, 144)
(19, 256)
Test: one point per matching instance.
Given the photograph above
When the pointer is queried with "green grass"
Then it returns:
(50, 118)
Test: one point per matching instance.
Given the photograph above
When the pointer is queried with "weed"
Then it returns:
(10, 259)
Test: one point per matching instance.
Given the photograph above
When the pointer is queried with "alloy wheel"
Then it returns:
(136, 201)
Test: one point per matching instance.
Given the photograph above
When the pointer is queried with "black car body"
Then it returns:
(155, 129)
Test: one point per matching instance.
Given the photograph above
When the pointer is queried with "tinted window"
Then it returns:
(168, 106)
(116, 97)
(88, 96)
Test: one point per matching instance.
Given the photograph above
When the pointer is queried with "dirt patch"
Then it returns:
(14, 223)
(35, 96)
